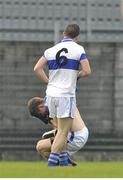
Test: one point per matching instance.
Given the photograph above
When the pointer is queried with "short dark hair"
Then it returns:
(72, 30)
(33, 104)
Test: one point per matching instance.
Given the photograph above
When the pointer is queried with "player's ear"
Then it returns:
(64, 34)
(76, 39)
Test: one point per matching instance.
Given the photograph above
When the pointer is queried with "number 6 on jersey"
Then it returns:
(61, 60)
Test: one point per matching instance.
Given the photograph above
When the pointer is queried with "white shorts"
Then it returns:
(76, 140)
(61, 107)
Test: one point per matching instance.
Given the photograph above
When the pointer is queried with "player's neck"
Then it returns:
(73, 39)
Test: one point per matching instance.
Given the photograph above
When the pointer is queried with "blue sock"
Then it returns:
(63, 159)
(53, 159)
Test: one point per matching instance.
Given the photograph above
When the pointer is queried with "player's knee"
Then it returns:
(85, 136)
(42, 149)
(37, 146)
(40, 146)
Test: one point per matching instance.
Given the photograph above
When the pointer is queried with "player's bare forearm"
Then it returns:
(83, 73)
(42, 76)
(38, 69)
(86, 69)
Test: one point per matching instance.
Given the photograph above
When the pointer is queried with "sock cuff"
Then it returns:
(53, 159)
(62, 154)
(54, 154)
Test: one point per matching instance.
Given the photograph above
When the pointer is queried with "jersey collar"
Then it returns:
(67, 39)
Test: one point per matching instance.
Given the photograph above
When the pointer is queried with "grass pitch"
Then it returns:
(40, 170)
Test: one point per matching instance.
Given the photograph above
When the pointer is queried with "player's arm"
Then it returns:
(38, 69)
(86, 69)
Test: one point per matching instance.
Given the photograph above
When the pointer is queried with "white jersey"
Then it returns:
(63, 63)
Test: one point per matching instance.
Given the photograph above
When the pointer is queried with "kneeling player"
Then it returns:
(77, 137)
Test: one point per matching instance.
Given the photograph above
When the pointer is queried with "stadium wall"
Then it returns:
(27, 28)
(99, 97)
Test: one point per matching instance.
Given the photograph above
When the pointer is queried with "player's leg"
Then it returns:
(43, 147)
(79, 135)
(60, 141)
(59, 144)
(65, 114)
(64, 111)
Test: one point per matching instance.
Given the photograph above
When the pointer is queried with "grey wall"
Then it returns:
(27, 28)
(18, 83)
(99, 97)
(96, 95)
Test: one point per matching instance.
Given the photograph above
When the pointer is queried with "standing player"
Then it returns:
(63, 62)
(77, 137)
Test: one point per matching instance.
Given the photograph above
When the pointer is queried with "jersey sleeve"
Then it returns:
(82, 54)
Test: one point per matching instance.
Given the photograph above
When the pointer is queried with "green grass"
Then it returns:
(40, 170)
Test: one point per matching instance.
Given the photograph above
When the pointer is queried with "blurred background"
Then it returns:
(27, 28)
